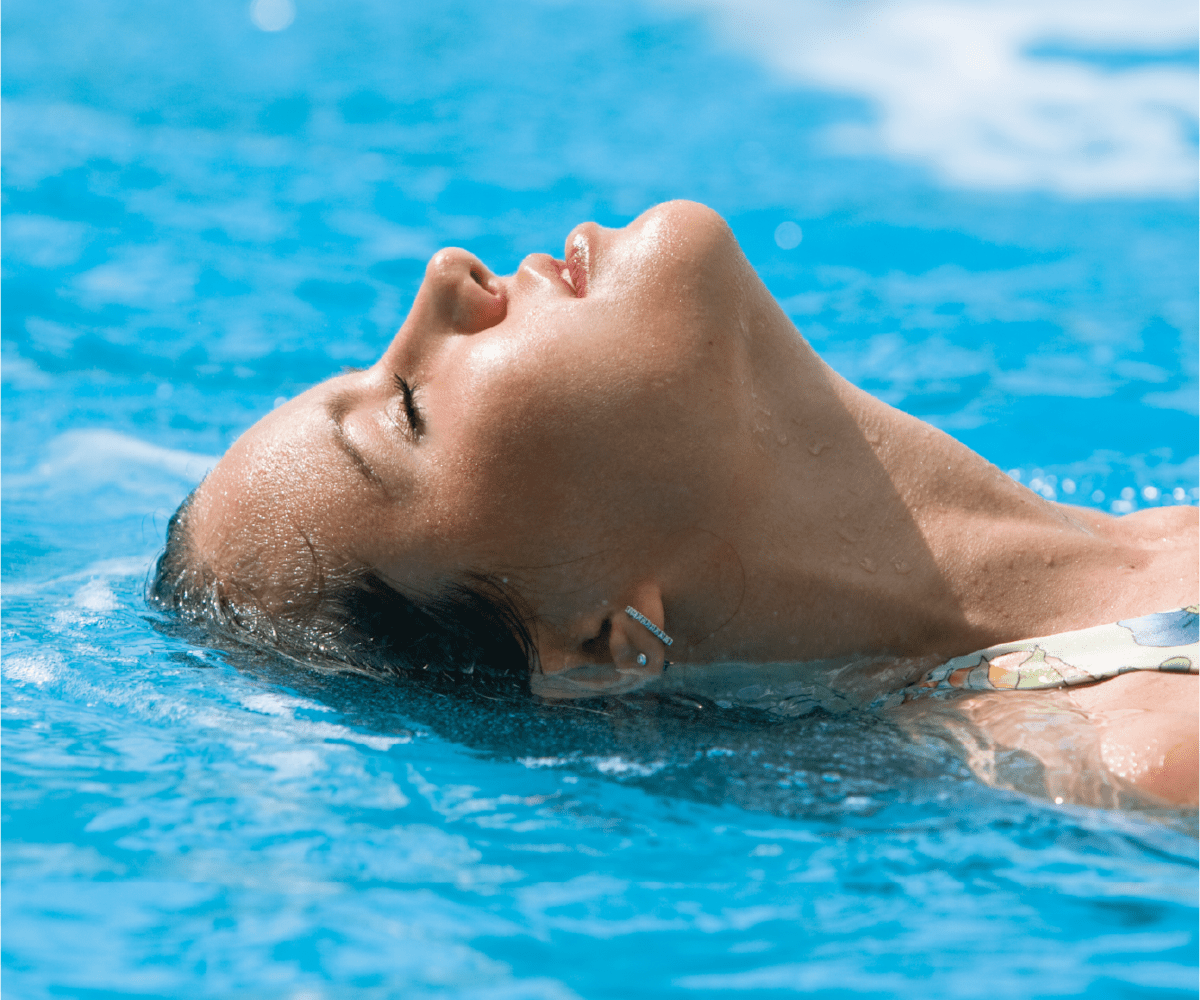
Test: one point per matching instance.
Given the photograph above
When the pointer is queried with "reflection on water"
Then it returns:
(765, 743)
(209, 206)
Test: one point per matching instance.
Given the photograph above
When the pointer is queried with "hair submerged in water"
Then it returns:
(475, 632)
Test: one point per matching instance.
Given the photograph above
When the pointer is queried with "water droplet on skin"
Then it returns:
(901, 567)
(817, 447)
(872, 436)
(867, 564)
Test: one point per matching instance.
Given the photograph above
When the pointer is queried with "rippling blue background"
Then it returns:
(202, 216)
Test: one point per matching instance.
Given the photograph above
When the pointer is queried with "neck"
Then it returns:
(855, 528)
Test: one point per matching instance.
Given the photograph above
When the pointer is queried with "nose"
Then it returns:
(462, 293)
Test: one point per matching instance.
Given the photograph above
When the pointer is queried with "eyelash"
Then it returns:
(408, 397)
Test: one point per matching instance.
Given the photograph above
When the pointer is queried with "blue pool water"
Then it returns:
(202, 216)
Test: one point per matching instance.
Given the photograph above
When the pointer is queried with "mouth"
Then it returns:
(574, 271)
(578, 263)
(567, 278)
(575, 268)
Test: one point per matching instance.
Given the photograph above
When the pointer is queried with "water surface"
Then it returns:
(202, 217)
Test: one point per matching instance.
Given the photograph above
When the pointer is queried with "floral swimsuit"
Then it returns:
(1167, 641)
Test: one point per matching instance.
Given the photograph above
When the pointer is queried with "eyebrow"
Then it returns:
(336, 408)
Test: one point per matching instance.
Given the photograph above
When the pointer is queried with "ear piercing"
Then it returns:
(637, 616)
(641, 659)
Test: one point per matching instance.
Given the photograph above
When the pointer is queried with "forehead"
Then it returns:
(285, 504)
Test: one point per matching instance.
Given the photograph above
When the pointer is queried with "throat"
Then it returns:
(874, 533)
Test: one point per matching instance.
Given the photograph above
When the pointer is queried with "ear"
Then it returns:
(600, 653)
(628, 639)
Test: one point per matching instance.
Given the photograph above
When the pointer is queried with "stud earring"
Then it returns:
(641, 659)
(641, 619)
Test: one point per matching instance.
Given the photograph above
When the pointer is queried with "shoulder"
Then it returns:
(1154, 526)
(1151, 559)
(1149, 730)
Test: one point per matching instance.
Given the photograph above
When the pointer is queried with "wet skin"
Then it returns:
(650, 429)
(561, 428)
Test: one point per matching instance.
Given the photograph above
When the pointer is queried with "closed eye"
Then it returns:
(412, 414)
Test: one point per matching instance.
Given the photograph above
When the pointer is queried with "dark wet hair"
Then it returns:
(475, 632)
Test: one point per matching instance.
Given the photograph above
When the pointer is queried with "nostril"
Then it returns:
(479, 305)
(468, 305)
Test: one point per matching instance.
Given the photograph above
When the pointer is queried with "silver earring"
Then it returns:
(641, 659)
(637, 616)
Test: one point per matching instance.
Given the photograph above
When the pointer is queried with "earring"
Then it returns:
(641, 659)
(637, 616)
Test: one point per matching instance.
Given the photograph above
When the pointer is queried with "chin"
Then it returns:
(687, 250)
(688, 222)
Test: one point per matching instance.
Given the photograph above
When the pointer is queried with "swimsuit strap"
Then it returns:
(1168, 641)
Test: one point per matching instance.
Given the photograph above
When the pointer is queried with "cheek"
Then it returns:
(562, 374)
(578, 418)
(533, 448)
(602, 394)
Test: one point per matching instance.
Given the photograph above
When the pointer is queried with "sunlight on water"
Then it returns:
(1080, 98)
(982, 212)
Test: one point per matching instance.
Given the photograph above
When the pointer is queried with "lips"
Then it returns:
(578, 263)
(564, 273)
(574, 270)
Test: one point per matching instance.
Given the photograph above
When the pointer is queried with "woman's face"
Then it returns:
(552, 427)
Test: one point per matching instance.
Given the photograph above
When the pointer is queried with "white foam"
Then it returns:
(279, 704)
(955, 86)
(108, 454)
(620, 767)
(534, 763)
(33, 668)
(285, 707)
(95, 596)
(104, 569)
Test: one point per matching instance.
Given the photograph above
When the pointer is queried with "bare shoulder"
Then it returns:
(1133, 739)
(1150, 560)
(1142, 691)
(1171, 527)
(1149, 729)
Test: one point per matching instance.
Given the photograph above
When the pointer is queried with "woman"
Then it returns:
(639, 425)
